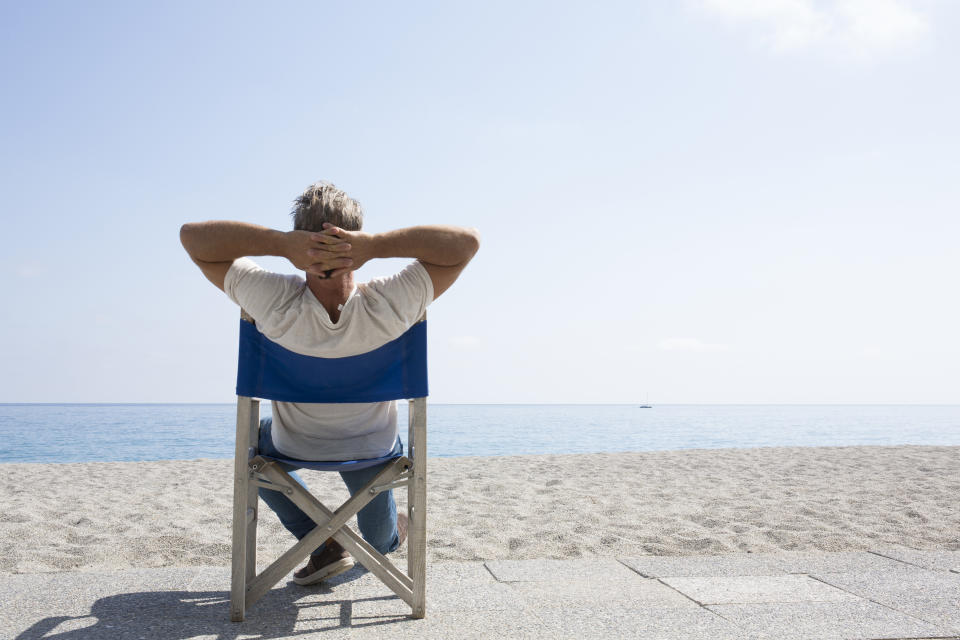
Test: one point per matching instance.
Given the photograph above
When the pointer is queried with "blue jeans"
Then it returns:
(377, 520)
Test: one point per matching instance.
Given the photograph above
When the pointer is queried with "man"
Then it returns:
(326, 314)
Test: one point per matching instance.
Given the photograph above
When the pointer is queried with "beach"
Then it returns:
(118, 515)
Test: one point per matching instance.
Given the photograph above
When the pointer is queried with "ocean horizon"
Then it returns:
(120, 432)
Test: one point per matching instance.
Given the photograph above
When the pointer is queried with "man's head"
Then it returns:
(323, 202)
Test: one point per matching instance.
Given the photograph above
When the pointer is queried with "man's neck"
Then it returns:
(331, 293)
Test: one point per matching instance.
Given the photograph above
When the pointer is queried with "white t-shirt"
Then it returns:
(288, 313)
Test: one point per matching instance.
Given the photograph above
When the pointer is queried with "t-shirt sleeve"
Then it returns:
(408, 293)
(256, 290)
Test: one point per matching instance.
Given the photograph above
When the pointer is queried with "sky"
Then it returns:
(704, 201)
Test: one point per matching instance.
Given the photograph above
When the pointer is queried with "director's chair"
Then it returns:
(394, 371)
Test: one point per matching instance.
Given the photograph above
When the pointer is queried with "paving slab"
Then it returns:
(177, 604)
(739, 564)
(834, 562)
(944, 613)
(650, 623)
(546, 583)
(81, 587)
(468, 625)
(757, 589)
(934, 559)
(459, 572)
(857, 620)
(889, 587)
(635, 594)
(549, 570)
(157, 603)
(464, 588)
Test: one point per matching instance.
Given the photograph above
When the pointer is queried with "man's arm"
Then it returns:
(215, 245)
(443, 250)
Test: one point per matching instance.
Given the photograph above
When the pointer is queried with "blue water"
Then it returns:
(121, 432)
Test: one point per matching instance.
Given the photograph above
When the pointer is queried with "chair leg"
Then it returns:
(417, 506)
(244, 508)
(253, 499)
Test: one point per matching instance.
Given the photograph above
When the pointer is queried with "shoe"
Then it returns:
(403, 522)
(332, 561)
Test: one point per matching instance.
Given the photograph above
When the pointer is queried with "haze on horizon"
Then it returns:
(724, 201)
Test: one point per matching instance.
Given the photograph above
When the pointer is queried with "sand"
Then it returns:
(692, 502)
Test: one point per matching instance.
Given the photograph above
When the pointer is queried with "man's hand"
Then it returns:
(317, 253)
(359, 246)
(443, 250)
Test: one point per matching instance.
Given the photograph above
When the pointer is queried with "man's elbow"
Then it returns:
(187, 234)
(471, 242)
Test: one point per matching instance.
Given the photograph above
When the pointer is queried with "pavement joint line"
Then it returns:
(698, 603)
(721, 616)
(636, 571)
(907, 562)
(887, 606)
(690, 598)
(492, 574)
(855, 594)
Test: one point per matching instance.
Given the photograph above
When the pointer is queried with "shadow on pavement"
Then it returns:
(179, 615)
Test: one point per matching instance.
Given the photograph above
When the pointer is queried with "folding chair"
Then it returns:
(397, 370)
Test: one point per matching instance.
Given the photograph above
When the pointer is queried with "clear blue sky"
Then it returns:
(701, 201)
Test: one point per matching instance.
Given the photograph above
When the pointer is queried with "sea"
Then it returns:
(134, 432)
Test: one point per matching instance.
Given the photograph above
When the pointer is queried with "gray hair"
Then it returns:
(323, 202)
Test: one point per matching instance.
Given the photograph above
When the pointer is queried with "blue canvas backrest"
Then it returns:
(394, 371)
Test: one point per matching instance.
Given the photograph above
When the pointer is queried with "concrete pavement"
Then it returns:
(852, 595)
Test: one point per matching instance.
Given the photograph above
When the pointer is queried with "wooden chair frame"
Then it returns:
(252, 471)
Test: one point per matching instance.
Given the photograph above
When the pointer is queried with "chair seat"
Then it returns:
(329, 465)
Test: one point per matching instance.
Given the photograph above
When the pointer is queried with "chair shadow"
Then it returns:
(178, 615)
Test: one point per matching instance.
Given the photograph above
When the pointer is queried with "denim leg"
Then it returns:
(378, 520)
(296, 521)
